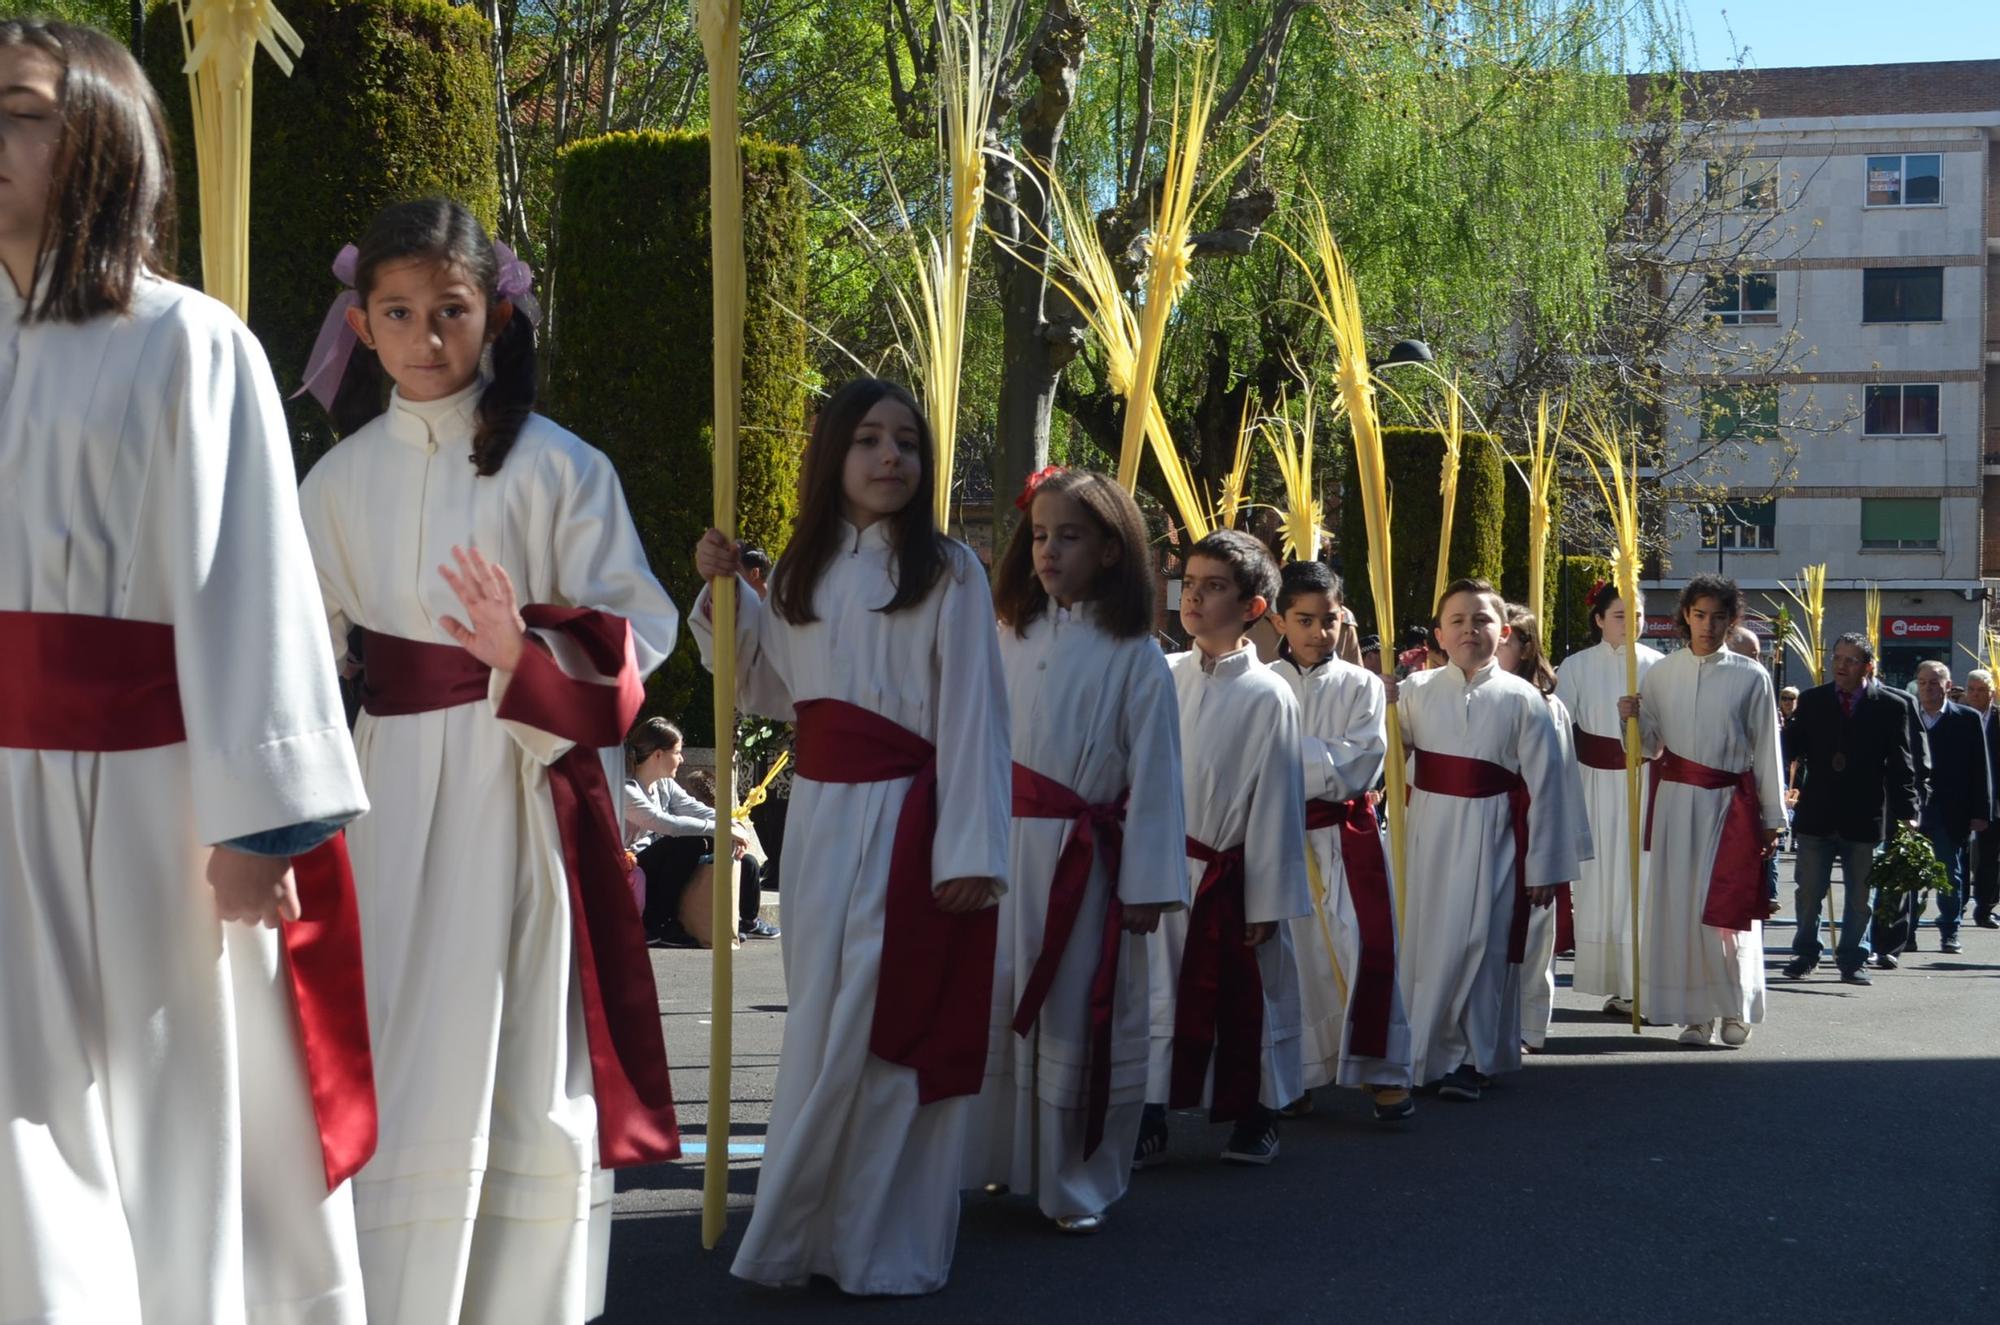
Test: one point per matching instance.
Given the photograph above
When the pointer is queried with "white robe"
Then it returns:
(1589, 684)
(1343, 746)
(1464, 995)
(159, 1160)
(1717, 711)
(860, 1183)
(1538, 963)
(481, 1203)
(1097, 715)
(1240, 771)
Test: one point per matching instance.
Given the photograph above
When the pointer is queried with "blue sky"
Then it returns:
(1781, 33)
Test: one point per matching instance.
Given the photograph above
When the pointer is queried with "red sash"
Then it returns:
(936, 981)
(621, 1009)
(1368, 1004)
(1476, 779)
(1604, 753)
(106, 685)
(1219, 1000)
(1100, 831)
(1736, 880)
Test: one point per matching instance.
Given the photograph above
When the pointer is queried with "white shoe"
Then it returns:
(1735, 1033)
(1618, 1007)
(1698, 1034)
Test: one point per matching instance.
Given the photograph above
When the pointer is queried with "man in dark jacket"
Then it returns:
(1852, 742)
(1960, 804)
(1984, 868)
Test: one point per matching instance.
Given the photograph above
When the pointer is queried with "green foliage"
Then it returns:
(1569, 581)
(1514, 538)
(392, 100)
(1415, 459)
(631, 367)
(1906, 864)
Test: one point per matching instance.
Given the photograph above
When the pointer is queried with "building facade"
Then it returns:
(1879, 428)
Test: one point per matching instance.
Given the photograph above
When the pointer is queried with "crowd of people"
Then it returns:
(1044, 882)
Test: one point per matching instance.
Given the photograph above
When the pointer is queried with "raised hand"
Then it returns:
(496, 634)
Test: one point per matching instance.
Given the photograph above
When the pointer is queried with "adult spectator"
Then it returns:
(756, 563)
(1851, 738)
(1743, 640)
(672, 834)
(1984, 866)
(1960, 804)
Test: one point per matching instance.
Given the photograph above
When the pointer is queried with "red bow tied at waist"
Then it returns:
(1100, 831)
(1477, 779)
(1604, 753)
(105, 685)
(621, 1009)
(1368, 887)
(1219, 1001)
(1736, 881)
(936, 982)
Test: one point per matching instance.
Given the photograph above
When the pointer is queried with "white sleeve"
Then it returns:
(1275, 884)
(644, 812)
(1154, 869)
(1650, 708)
(318, 503)
(1340, 765)
(1572, 779)
(267, 736)
(1552, 838)
(1766, 760)
(974, 750)
(760, 681)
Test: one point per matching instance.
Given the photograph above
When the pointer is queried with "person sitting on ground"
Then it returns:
(672, 834)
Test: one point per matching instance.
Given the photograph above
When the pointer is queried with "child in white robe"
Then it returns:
(1098, 851)
(1715, 809)
(878, 639)
(508, 1076)
(1226, 1020)
(1589, 683)
(170, 733)
(1521, 653)
(1486, 761)
(1356, 1033)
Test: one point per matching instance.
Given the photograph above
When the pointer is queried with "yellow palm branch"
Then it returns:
(1806, 633)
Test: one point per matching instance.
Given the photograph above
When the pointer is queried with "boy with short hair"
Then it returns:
(1225, 985)
(1355, 1030)
(1490, 833)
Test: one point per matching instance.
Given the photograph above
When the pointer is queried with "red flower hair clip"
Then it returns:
(1597, 589)
(1034, 485)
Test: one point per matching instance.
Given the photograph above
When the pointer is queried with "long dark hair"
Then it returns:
(443, 231)
(919, 546)
(1125, 592)
(1534, 665)
(110, 214)
(648, 738)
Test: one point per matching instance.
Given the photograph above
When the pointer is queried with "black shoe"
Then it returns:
(1461, 1085)
(1394, 1107)
(1886, 961)
(1299, 1107)
(1857, 976)
(1252, 1141)
(1799, 968)
(1951, 946)
(1152, 1147)
(1986, 921)
(759, 928)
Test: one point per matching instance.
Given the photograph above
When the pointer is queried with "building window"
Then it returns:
(1902, 294)
(1741, 413)
(1904, 181)
(1745, 298)
(1900, 411)
(1899, 522)
(1740, 526)
(1746, 187)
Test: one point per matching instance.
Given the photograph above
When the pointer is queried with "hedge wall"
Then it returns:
(1514, 539)
(631, 360)
(1414, 457)
(392, 99)
(1571, 597)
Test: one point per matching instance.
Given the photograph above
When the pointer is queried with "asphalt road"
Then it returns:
(1845, 1165)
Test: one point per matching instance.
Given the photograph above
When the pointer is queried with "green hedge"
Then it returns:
(392, 100)
(1414, 458)
(633, 344)
(1571, 596)
(1514, 540)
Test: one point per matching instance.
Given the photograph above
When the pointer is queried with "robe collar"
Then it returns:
(853, 540)
(1479, 678)
(1229, 665)
(1077, 612)
(450, 420)
(1285, 655)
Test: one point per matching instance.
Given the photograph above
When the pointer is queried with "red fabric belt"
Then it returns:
(936, 981)
(106, 685)
(1367, 873)
(1600, 752)
(1100, 831)
(1477, 779)
(1736, 880)
(1219, 1000)
(621, 1009)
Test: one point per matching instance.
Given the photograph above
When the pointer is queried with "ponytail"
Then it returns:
(509, 398)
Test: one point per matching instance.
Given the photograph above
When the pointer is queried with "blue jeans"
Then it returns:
(1950, 854)
(1813, 873)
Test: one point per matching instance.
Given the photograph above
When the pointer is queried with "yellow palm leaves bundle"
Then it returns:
(1452, 428)
(1537, 472)
(219, 39)
(1805, 634)
(1292, 443)
(1872, 605)
(1235, 494)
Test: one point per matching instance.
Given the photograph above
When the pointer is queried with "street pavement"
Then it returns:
(1845, 1165)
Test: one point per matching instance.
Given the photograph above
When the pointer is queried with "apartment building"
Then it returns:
(1882, 272)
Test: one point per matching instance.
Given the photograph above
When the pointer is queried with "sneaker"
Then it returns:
(759, 928)
(1987, 921)
(1735, 1033)
(1951, 946)
(1460, 1084)
(1252, 1142)
(1152, 1147)
(1859, 975)
(1617, 1007)
(1393, 1106)
(1698, 1035)
(1798, 968)
(1299, 1107)
(1886, 961)
(1080, 1225)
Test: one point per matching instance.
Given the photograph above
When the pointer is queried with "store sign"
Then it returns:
(1916, 627)
(1661, 627)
